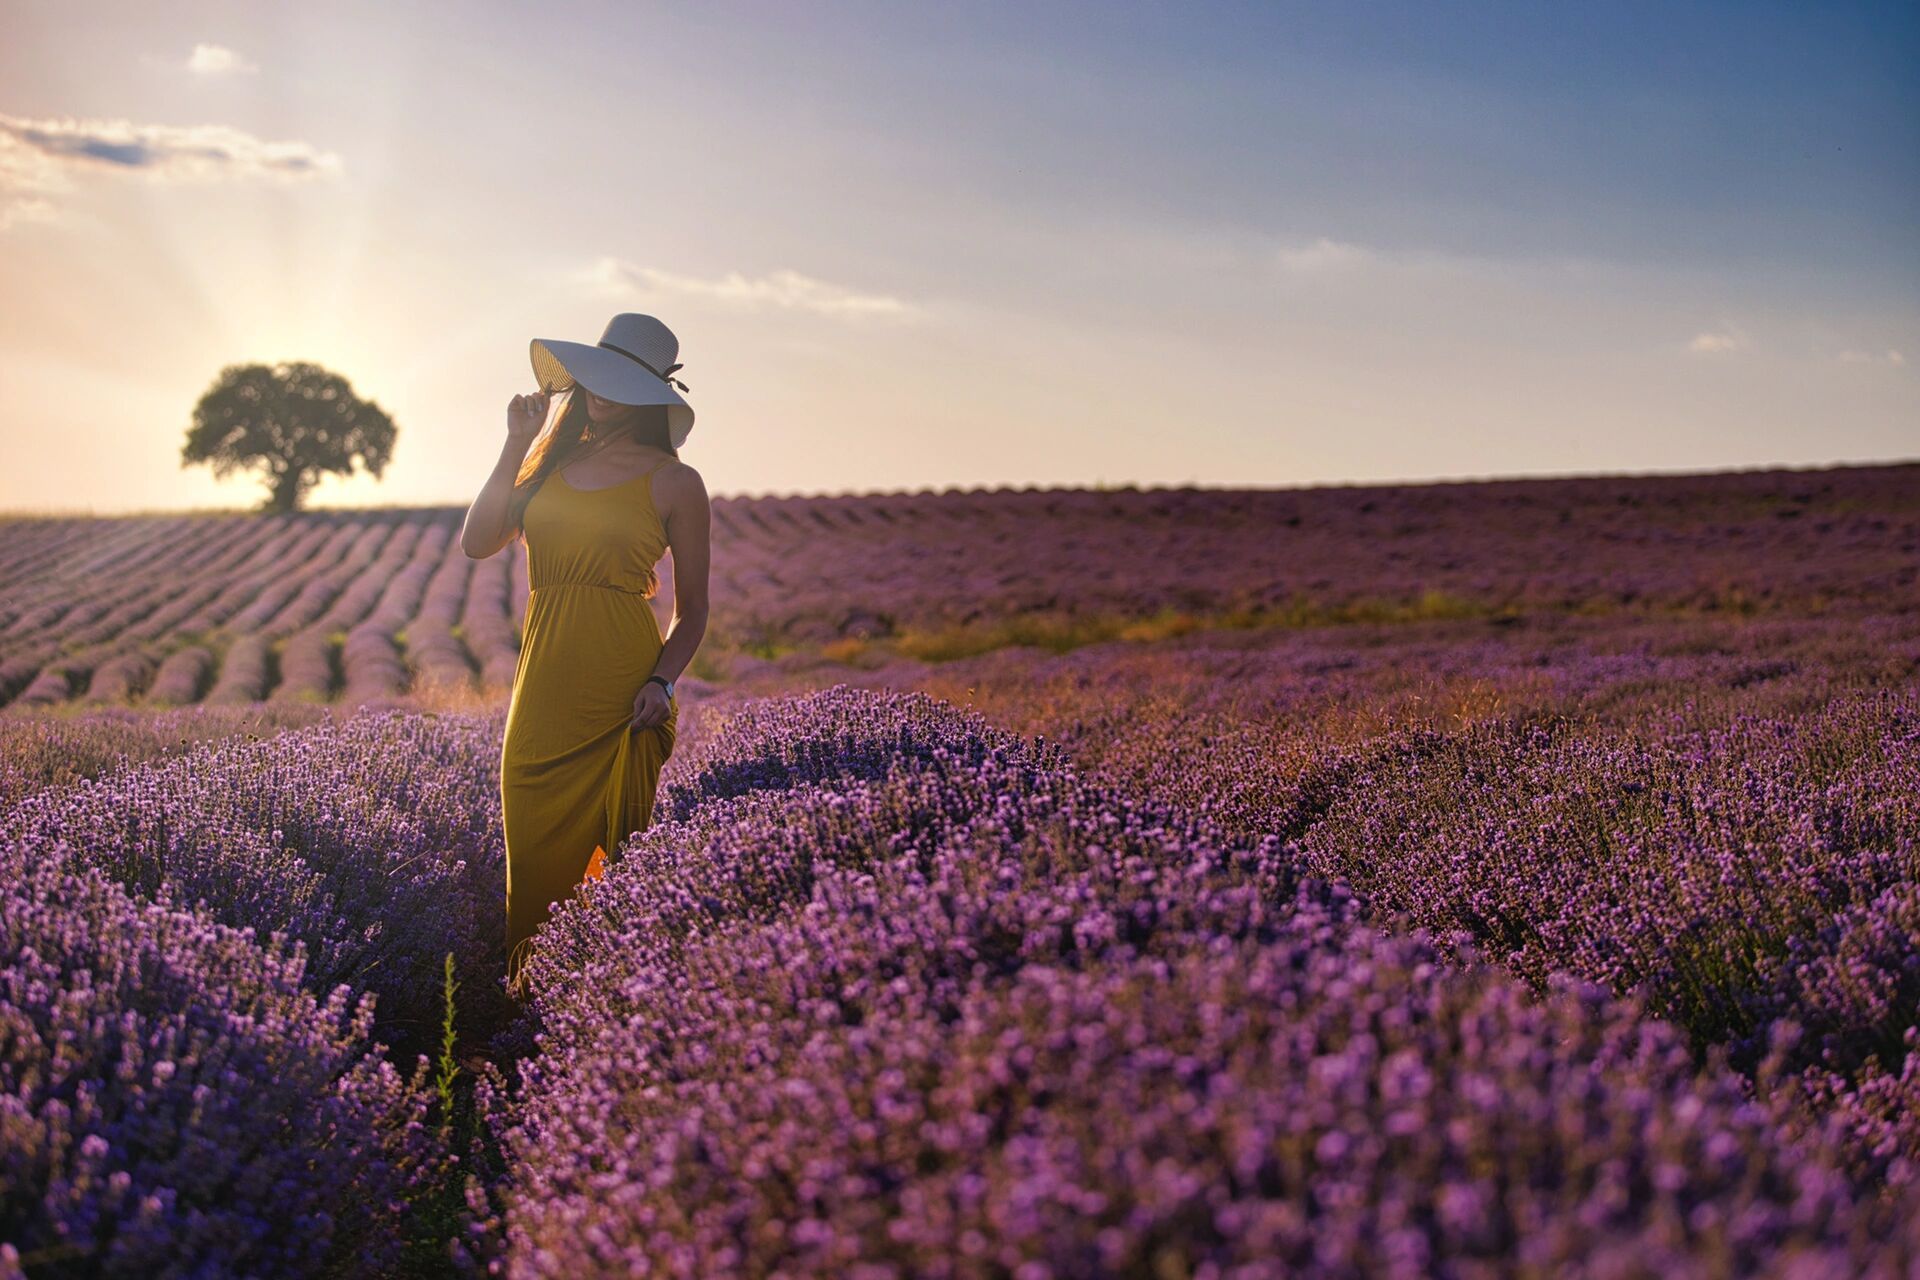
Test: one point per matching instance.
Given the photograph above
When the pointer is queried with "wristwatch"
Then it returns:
(664, 684)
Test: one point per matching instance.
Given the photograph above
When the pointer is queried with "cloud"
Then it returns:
(782, 290)
(216, 59)
(38, 157)
(48, 150)
(1712, 342)
(24, 209)
(1324, 255)
(1892, 357)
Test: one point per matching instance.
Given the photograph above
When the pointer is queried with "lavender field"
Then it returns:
(370, 606)
(1504, 879)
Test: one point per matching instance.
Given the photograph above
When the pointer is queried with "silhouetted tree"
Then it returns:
(296, 420)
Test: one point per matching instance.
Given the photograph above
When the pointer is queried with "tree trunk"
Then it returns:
(286, 492)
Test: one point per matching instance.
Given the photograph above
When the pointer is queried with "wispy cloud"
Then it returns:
(1334, 258)
(1716, 341)
(14, 209)
(1324, 254)
(781, 290)
(47, 150)
(1891, 357)
(215, 60)
(41, 157)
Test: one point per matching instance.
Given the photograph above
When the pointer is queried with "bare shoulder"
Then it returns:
(679, 487)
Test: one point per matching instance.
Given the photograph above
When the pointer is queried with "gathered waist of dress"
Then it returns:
(598, 586)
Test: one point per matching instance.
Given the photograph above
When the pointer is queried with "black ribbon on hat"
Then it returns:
(662, 374)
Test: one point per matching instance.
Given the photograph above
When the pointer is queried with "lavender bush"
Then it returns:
(174, 1102)
(978, 1015)
(1739, 876)
(45, 751)
(374, 841)
(1722, 817)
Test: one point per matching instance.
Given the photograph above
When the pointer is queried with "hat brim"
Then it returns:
(558, 365)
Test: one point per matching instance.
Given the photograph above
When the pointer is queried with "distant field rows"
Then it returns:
(217, 608)
(227, 609)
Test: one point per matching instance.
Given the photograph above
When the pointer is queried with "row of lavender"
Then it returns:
(1722, 817)
(202, 960)
(887, 991)
(232, 611)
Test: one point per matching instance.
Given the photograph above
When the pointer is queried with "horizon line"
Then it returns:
(1418, 482)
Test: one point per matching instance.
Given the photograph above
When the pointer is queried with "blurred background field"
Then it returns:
(355, 607)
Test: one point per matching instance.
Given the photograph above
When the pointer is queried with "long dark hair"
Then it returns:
(567, 438)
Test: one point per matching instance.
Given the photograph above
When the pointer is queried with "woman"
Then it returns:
(598, 499)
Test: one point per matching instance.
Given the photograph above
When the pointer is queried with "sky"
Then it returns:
(924, 247)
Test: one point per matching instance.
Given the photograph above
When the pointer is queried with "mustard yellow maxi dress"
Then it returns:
(575, 777)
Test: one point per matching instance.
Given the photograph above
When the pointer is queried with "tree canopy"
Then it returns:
(295, 421)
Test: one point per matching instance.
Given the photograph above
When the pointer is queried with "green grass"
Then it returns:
(1060, 632)
(1063, 632)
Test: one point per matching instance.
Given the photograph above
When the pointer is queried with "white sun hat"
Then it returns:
(632, 364)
